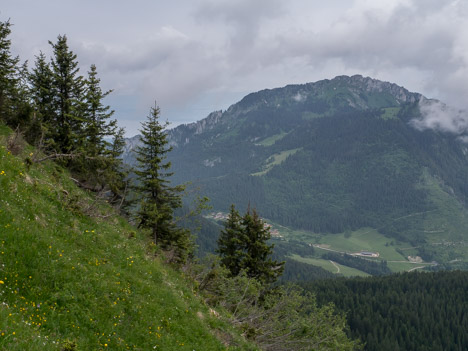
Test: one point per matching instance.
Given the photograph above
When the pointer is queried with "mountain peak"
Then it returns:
(372, 85)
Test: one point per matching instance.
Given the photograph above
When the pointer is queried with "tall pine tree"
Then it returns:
(243, 246)
(68, 97)
(97, 123)
(42, 96)
(231, 243)
(158, 198)
(97, 128)
(9, 80)
(258, 262)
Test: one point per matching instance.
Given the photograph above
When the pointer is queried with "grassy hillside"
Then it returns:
(71, 281)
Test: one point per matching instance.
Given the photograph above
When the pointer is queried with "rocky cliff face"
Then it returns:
(180, 135)
(374, 85)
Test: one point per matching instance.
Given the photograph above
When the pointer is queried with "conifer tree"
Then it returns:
(116, 173)
(97, 127)
(258, 262)
(68, 97)
(158, 198)
(96, 116)
(42, 96)
(231, 243)
(243, 246)
(8, 76)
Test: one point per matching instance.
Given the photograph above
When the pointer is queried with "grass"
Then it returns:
(276, 159)
(72, 282)
(390, 113)
(364, 239)
(327, 265)
(272, 139)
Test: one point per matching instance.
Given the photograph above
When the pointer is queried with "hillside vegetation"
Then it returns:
(75, 276)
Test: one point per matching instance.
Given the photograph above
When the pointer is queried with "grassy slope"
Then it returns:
(332, 267)
(276, 159)
(66, 278)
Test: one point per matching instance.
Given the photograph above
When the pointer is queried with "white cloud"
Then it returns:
(438, 116)
(298, 97)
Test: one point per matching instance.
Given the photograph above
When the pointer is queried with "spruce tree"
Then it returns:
(243, 246)
(97, 128)
(97, 116)
(158, 198)
(258, 262)
(8, 77)
(68, 97)
(42, 95)
(231, 243)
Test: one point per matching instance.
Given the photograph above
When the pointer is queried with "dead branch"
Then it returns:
(60, 156)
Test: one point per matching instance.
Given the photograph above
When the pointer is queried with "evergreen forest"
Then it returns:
(411, 311)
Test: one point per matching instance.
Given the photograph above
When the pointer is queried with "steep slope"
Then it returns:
(74, 278)
(333, 156)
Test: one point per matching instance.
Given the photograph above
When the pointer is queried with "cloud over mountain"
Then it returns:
(194, 57)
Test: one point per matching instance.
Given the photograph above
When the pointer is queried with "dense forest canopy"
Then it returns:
(411, 311)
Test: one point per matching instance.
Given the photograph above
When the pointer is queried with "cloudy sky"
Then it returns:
(197, 56)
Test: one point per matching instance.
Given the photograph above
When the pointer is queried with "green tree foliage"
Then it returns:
(8, 66)
(68, 97)
(286, 319)
(98, 153)
(410, 311)
(231, 243)
(14, 108)
(97, 125)
(63, 114)
(243, 246)
(158, 198)
(258, 262)
(117, 173)
(42, 96)
(71, 119)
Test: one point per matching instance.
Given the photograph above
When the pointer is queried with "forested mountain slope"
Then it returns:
(332, 156)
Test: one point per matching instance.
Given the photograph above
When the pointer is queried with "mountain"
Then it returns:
(332, 157)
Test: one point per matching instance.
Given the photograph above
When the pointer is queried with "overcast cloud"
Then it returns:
(196, 56)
